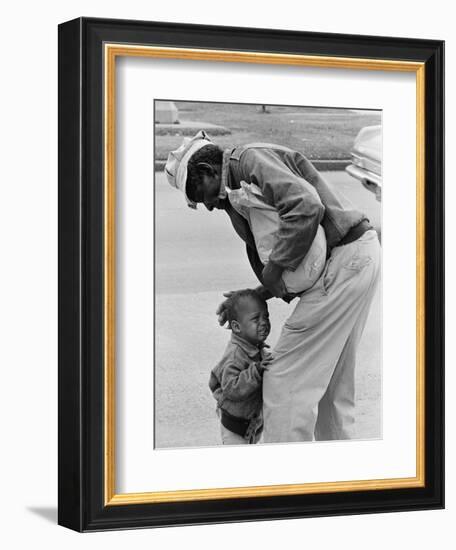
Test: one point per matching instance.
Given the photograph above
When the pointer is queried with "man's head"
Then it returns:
(248, 316)
(195, 169)
(204, 175)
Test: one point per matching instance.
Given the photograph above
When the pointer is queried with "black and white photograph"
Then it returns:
(223, 285)
(267, 292)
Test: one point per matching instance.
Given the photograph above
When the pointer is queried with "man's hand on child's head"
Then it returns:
(221, 309)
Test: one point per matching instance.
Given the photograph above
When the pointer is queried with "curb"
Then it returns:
(190, 129)
(325, 165)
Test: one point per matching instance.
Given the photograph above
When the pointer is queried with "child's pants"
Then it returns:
(230, 438)
(309, 389)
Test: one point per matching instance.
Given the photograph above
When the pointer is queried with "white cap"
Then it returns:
(176, 165)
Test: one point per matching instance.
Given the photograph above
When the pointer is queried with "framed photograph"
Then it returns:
(251, 317)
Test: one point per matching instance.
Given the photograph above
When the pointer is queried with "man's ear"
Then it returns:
(235, 327)
(206, 168)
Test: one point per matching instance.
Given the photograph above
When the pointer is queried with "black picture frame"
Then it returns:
(81, 474)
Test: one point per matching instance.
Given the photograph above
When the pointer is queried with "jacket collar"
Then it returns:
(251, 350)
(225, 173)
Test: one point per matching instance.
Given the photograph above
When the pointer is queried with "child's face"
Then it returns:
(253, 321)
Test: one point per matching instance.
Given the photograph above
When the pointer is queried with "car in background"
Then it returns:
(366, 159)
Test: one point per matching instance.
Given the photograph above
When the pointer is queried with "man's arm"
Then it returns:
(296, 201)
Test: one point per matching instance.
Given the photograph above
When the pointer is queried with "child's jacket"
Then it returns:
(236, 381)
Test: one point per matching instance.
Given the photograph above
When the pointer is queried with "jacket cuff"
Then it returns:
(292, 265)
(277, 266)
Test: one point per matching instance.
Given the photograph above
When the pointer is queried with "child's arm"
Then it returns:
(237, 384)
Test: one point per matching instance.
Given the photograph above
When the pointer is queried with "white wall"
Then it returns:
(28, 289)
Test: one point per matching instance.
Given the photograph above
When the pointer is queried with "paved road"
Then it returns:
(198, 256)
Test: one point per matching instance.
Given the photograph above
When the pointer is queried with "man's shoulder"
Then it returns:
(257, 147)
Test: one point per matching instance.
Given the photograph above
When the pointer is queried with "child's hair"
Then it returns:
(211, 154)
(232, 305)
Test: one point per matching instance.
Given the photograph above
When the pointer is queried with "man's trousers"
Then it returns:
(309, 389)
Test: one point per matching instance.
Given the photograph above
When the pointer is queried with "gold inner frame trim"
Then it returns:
(111, 52)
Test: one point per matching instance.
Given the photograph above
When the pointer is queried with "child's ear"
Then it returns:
(235, 327)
